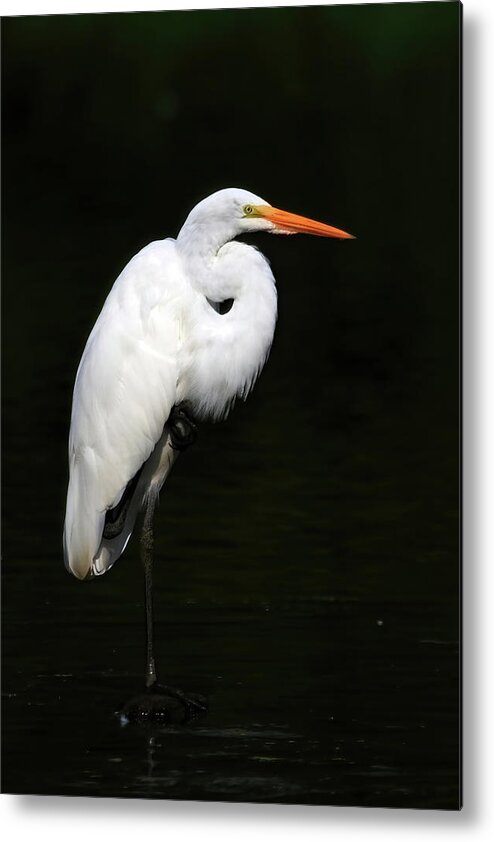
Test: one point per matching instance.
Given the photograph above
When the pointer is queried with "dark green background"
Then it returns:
(307, 571)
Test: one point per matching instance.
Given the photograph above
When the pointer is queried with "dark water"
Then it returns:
(307, 575)
(328, 652)
(285, 725)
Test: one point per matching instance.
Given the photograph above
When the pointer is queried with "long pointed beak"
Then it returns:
(291, 223)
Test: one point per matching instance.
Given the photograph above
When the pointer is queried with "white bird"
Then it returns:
(184, 332)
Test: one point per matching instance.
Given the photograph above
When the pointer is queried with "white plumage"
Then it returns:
(160, 341)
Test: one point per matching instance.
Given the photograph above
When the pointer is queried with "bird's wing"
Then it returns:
(125, 389)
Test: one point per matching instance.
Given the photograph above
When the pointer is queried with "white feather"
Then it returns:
(158, 342)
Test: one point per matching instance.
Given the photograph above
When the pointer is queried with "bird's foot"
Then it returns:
(183, 430)
(162, 704)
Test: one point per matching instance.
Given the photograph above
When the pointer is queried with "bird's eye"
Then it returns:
(248, 209)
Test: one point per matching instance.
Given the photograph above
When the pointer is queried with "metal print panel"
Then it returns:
(302, 556)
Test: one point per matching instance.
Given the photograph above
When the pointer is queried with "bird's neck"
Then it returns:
(200, 249)
(230, 349)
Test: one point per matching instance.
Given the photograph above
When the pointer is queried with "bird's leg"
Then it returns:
(147, 544)
(183, 430)
(159, 703)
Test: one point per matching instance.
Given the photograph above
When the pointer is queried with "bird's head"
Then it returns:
(235, 211)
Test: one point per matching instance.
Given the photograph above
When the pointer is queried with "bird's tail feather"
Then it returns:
(83, 522)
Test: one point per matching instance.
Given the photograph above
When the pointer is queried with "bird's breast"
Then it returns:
(222, 354)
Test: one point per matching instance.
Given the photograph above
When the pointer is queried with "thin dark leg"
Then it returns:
(147, 544)
(160, 703)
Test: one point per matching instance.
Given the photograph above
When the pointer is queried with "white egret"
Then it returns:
(185, 330)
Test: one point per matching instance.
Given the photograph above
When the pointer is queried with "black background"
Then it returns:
(307, 571)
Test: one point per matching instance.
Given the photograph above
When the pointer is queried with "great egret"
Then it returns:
(185, 330)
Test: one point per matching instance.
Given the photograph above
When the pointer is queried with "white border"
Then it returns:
(56, 818)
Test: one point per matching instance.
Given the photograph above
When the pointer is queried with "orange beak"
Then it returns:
(291, 223)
